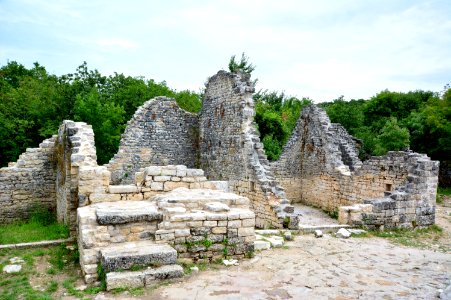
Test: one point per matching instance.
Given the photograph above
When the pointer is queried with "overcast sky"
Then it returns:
(316, 49)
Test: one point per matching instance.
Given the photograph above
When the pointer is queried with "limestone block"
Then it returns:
(181, 170)
(169, 186)
(122, 189)
(182, 232)
(116, 280)
(261, 245)
(153, 171)
(188, 179)
(194, 172)
(248, 222)
(217, 217)
(169, 170)
(216, 207)
(176, 179)
(234, 224)
(246, 231)
(210, 223)
(156, 186)
(139, 178)
(162, 178)
(219, 230)
(96, 198)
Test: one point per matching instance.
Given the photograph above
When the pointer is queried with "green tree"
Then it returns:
(243, 65)
(392, 138)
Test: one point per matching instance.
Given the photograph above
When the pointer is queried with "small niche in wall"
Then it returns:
(388, 187)
(251, 186)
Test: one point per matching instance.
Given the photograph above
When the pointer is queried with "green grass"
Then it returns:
(417, 238)
(64, 265)
(41, 226)
(442, 192)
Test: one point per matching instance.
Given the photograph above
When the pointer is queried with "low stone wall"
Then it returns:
(29, 183)
(160, 133)
(410, 205)
(319, 167)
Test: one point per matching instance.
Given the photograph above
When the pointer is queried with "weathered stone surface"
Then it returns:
(110, 213)
(116, 280)
(343, 233)
(142, 253)
(318, 233)
(12, 269)
(163, 272)
(276, 241)
(217, 207)
(122, 189)
(261, 245)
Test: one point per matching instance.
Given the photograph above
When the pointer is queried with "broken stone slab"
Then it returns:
(318, 233)
(12, 269)
(122, 189)
(141, 253)
(276, 241)
(16, 260)
(116, 280)
(110, 213)
(199, 197)
(260, 245)
(343, 233)
(216, 207)
(268, 232)
(230, 262)
(163, 272)
(287, 236)
(221, 185)
(356, 231)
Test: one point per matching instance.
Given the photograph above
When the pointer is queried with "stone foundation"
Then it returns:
(198, 223)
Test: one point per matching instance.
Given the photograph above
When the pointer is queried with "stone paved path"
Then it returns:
(324, 268)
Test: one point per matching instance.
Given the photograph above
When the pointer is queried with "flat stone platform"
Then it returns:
(123, 256)
(121, 212)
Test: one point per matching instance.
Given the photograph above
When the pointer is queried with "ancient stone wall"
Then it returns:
(160, 133)
(320, 167)
(74, 149)
(28, 184)
(230, 147)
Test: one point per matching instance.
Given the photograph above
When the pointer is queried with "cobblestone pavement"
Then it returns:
(322, 268)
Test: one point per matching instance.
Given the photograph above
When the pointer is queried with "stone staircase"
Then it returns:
(124, 233)
(138, 242)
(138, 264)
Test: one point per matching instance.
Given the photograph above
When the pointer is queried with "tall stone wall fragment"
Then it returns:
(160, 133)
(230, 147)
(28, 183)
(74, 150)
(319, 166)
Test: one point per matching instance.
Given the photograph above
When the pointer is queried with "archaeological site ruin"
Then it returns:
(186, 185)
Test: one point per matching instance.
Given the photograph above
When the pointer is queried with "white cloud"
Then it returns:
(320, 49)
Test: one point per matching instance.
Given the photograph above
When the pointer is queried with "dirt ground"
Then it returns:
(325, 268)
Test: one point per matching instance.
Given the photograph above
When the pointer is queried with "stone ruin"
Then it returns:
(195, 186)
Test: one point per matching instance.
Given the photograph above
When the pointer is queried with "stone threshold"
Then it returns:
(37, 244)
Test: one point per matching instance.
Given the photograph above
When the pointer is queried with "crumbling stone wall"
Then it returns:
(230, 148)
(28, 183)
(74, 149)
(160, 133)
(320, 167)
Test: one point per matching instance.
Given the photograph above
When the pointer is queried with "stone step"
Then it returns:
(121, 212)
(324, 228)
(124, 256)
(137, 279)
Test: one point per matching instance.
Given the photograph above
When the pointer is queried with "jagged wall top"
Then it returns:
(160, 133)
